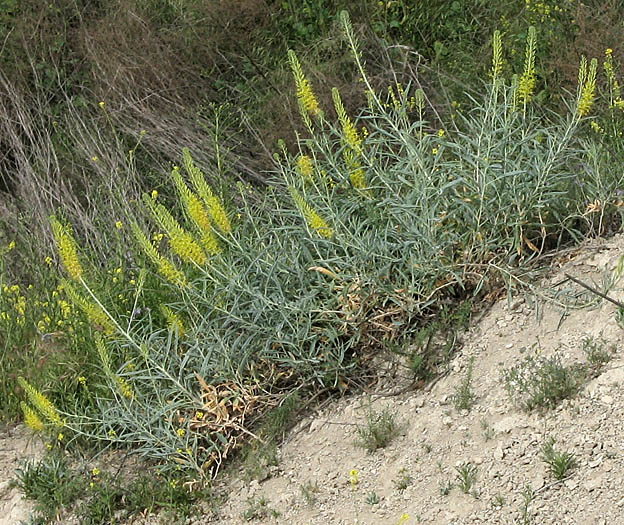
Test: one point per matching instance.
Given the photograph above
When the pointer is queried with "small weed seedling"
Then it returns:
(445, 487)
(488, 431)
(372, 498)
(259, 509)
(309, 491)
(498, 501)
(527, 497)
(466, 476)
(559, 463)
(403, 480)
(380, 429)
(464, 397)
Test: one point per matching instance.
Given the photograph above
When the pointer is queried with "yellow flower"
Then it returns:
(198, 214)
(11, 246)
(41, 402)
(354, 477)
(434, 151)
(31, 418)
(588, 90)
(102, 104)
(154, 194)
(312, 218)
(181, 432)
(95, 471)
(199, 415)
(305, 167)
(441, 133)
(60, 436)
(305, 95)
(527, 81)
(403, 519)
(215, 207)
(96, 315)
(497, 56)
(350, 132)
(124, 388)
(66, 246)
(119, 225)
(48, 261)
(174, 323)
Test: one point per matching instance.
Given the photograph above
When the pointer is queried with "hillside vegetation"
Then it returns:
(213, 213)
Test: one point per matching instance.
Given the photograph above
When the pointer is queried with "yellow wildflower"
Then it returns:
(93, 311)
(66, 246)
(350, 132)
(588, 90)
(41, 402)
(215, 207)
(174, 323)
(119, 225)
(31, 418)
(181, 432)
(526, 84)
(312, 218)
(305, 167)
(497, 56)
(197, 213)
(354, 477)
(307, 100)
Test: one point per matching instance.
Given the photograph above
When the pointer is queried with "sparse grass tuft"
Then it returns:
(464, 397)
(541, 382)
(309, 491)
(560, 464)
(466, 476)
(259, 509)
(596, 352)
(378, 431)
(403, 480)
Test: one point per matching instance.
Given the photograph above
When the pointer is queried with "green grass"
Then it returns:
(559, 463)
(379, 430)
(97, 497)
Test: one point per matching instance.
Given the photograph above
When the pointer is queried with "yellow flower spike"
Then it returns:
(612, 82)
(41, 403)
(124, 388)
(497, 56)
(350, 132)
(215, 207)
(67, 250)
(526, 84)
(32, 419)
(588, 90)
(93, 311)
(181, 242)
(312, 218)
(197, 213)
(174, 323)
(307, 100)
(305, 167)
